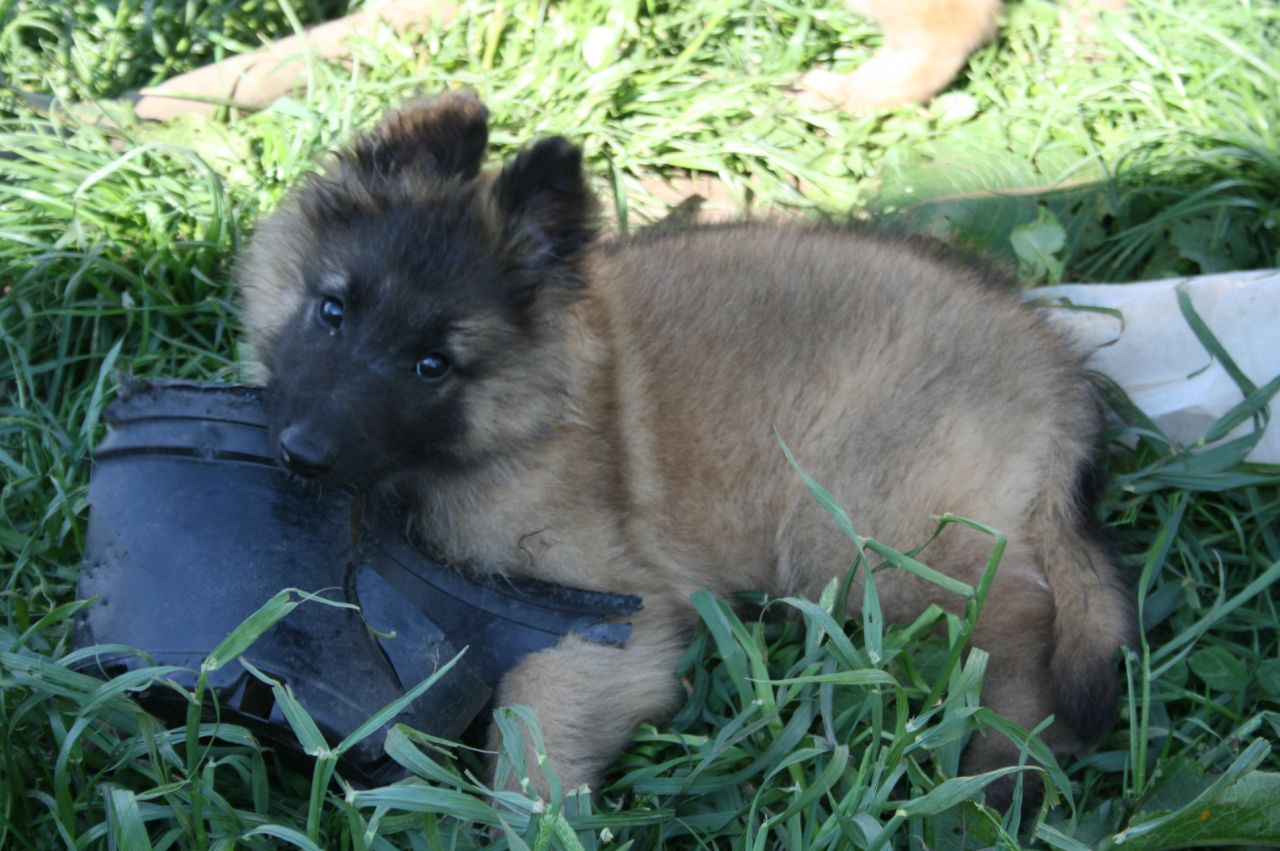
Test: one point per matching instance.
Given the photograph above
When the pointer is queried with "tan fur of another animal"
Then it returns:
(926, 43)
(910, 386)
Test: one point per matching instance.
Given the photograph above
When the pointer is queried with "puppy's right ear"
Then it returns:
(444, 137)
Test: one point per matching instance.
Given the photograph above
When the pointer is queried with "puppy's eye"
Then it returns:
(433, 367)
(331, 311)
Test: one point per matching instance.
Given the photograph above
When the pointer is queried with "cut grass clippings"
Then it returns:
(1140, 146)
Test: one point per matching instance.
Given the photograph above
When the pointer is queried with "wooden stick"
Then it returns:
(254, 80)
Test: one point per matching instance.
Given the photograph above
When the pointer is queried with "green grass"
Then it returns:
(1151, 142)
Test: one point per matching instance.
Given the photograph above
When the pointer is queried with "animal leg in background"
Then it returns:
(925, 43)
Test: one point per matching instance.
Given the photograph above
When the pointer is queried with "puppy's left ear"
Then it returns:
(549, 210)
(444, 137)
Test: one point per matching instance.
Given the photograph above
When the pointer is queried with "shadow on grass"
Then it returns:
(1212, 212)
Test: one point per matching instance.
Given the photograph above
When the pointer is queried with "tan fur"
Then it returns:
(908, 385)
(909, 388)
(926, 42)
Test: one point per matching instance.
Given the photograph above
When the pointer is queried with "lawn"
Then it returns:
(1147, 140)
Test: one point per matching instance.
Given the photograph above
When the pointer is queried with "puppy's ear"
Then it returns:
(444, 137)
(549, 210)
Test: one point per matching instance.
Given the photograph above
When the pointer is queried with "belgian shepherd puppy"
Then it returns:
(607, 415)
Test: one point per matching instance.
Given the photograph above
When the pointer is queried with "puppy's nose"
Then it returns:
(302, 455)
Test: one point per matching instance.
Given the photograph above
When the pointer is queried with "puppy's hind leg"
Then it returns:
(590, 697)
(1016, 631)
(925, 43)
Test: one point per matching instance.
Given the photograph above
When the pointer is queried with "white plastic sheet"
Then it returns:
(1155, 356)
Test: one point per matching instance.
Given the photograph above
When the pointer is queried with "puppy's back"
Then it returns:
(909, 384)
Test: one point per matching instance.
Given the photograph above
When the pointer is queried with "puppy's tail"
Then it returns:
(1094, 614)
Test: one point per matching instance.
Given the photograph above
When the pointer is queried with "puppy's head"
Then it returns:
(410, 313)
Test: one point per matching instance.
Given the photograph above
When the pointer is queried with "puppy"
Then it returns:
(607, 415)
(926, 42)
